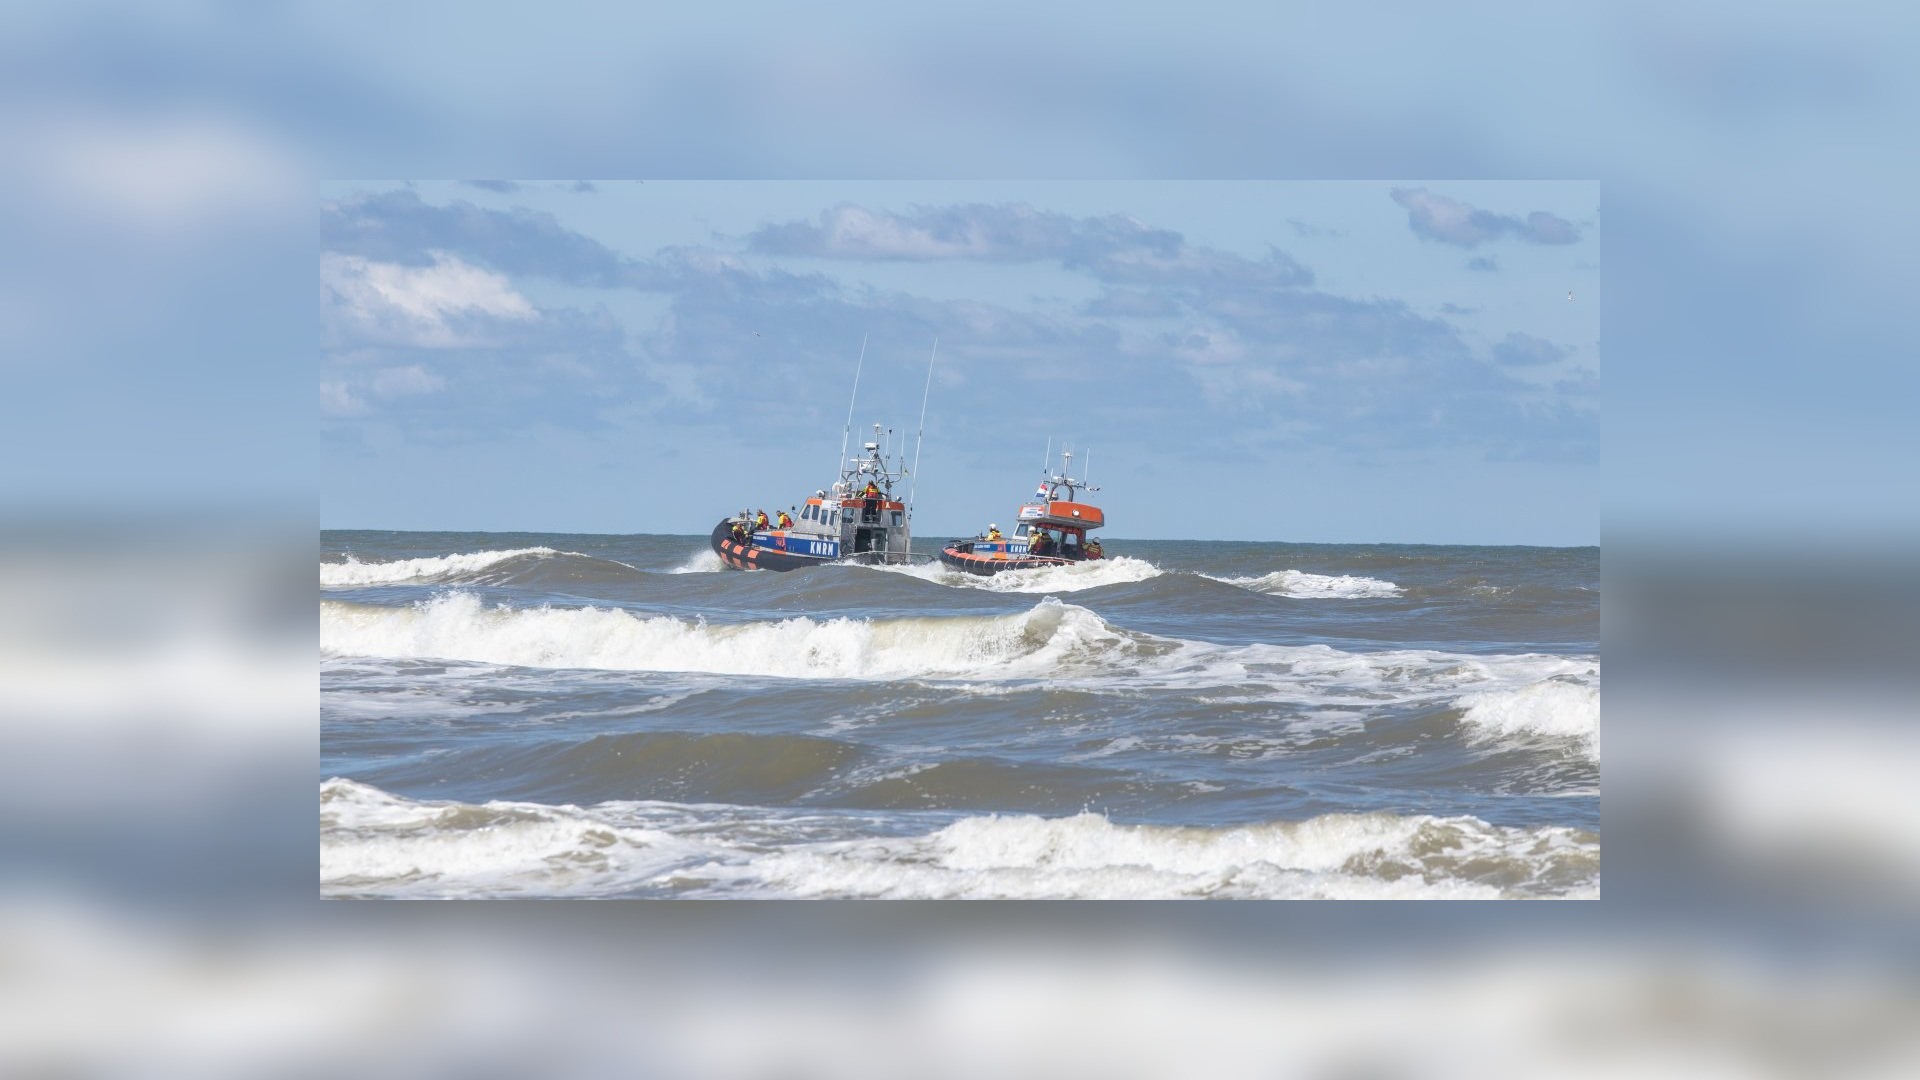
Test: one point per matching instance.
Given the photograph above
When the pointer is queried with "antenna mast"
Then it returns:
(913, 485)
(848, 430)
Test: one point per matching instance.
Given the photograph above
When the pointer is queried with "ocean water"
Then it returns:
(537, 714)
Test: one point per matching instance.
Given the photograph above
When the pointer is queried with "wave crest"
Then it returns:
(1302, 585)
(1335, 856)
(1073, 577)
(376, 843)
(1555, 708)
(458, 626)
(440, 568)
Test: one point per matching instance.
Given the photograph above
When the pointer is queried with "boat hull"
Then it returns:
(747, 556)
(987, 565)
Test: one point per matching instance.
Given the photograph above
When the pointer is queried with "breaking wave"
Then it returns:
(1336, 856)
(1302, 585)
(375, 843)
(1555, 708)
(442, 568)
(1502, 695)
(1113, 570)
(458, 626)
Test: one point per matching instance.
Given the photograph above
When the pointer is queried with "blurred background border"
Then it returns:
(157, 328)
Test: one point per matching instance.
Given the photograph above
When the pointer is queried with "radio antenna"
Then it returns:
(847, 431)
(913, 485)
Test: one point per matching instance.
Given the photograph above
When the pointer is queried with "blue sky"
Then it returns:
(1349, 362)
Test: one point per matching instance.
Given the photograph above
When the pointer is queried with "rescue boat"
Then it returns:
(858, 519)
(1050, 531)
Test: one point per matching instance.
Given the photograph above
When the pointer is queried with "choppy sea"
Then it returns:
(544, 714)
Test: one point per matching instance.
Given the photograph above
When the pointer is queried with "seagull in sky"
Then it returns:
(1569, 295)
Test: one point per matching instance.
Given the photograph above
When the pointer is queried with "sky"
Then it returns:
(1312, 361)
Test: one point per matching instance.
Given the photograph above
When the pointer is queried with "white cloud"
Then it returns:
(1005, 233)
(337, 400)
(851, 230)
(417, 305)
(403, 381)
(1113, 247)
(1450, 221)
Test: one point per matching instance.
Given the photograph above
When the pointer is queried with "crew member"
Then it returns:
(871, 492)
(993, 532)
(760, 520)
(785, 521)
(739, 531)
(1042, 544)
(1093, 549)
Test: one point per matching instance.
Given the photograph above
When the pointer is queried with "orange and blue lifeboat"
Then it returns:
(1051, 533)
(826, 529)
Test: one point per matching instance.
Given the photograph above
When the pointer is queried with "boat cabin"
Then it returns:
(1058, 528)
(1050, 529)
(860, 516)
(852, 521)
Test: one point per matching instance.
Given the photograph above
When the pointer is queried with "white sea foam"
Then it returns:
(1072, 577)
(704, 561)
(1302, 585)
(353, 572)
(1060, 642)
(375, 842)
(1336, 856)
(458, 626)
(372, 840)
(1560, 708)
(1320, 677)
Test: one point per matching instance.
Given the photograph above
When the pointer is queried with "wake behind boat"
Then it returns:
(1052, 531)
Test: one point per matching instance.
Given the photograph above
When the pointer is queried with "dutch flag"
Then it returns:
(1041, 494)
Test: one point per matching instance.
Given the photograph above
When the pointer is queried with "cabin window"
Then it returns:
(1022, 530)
(896, 519)
(813, 513)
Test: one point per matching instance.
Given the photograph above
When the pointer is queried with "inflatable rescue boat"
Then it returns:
(1051, 530)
